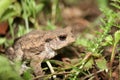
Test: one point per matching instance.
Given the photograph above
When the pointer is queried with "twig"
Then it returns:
(51, 68)
(52, 74)
(92, 74)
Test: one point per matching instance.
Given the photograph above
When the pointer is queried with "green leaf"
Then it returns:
(39, 7)
(108, 41)
(27, 75)
(101, 63)
(82, 41)
(4, 4)
(9, 42)
(117, 36)
(7, 71)
(21, 31)
(109, 38)
(12, 11)
(96, 55)
(102, 3)
(2, 40)
(49, 26)
(88, 64)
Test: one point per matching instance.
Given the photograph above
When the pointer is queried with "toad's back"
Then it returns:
(30, 41)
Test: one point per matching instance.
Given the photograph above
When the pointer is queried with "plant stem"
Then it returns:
(54, 7)
(11, 28)
(26, 24)
(112, 59)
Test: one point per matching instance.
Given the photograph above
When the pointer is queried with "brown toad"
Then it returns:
(39, 45)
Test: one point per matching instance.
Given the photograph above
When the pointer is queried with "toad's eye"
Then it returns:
(48, 40)
(62, 37)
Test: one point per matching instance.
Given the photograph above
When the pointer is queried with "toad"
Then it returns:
(37, 46)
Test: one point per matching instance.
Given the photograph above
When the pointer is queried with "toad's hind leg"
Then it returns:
(10, 53)
(19, 54)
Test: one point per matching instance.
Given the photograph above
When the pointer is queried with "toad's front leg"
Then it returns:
(36, 66)
(36, 63)
(37, 59)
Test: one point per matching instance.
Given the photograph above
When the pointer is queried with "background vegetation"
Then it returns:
(95, 23)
